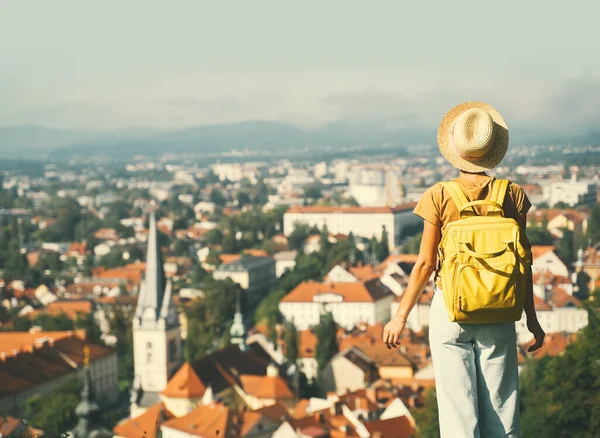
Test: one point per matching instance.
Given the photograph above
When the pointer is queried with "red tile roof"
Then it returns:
(205, 421)
(397, 258)
(77, 248)
(324, 209)
(560, 298)
(132, 272)
(307, 344)
(146, 425)
(367, 292)
(8, 425)
(364, 272)
(540, 250)
(26, 341)
(185, 384)
(398, 427)
(72, 309)
(45, 363)
(573, 215)
(540, 305)
(229, 258)
(554, 345)
(266, 387)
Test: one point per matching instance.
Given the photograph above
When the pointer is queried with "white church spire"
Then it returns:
(154, 300)
(156, 337)
(238, 330)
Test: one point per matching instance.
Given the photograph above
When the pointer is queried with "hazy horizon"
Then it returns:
(122, 65)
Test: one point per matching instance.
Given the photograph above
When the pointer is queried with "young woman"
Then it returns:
(475, 365)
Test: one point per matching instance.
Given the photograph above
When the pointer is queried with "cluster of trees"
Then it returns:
(54, 412)
(560, 396)
(209, 319)
(250, 229)
(58, 322)
(327, 347)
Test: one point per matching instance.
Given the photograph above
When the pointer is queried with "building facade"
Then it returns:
(364, 222)
(349, 303)
(253, 274)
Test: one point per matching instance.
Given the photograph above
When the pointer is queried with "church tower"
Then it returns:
(156, 337)
(238, 330)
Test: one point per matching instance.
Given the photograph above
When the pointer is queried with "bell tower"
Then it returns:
(156, 336)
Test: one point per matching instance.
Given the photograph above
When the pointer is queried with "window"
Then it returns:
(148, 352)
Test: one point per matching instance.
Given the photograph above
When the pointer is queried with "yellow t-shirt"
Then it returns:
(437, 207)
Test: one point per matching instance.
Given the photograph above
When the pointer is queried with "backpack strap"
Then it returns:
(456, 193)
(499, 190)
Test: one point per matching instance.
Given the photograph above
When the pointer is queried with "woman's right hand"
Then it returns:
(533, 325)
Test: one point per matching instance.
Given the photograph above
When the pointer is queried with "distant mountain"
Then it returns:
(31, 141)
(267, 137)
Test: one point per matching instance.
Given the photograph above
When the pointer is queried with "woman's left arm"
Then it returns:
(424, 267)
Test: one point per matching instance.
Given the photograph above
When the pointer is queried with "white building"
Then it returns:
(546, 260)
(349, 303)
(570, 192)
(375, 187)
(364, 222)
(320, 170)
(557, 311)
(284, 261)
(253, 274)
(156, 335)
(235, 172)
(294, 184)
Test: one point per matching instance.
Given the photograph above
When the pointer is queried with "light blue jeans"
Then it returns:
(476, 376)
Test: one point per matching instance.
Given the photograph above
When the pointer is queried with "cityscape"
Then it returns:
(249, 297)
(207, 213)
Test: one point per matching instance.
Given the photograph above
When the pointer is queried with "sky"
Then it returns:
(118, 64)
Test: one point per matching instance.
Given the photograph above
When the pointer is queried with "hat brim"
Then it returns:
(497, 150)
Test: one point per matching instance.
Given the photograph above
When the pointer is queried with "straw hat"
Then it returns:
(473, 137)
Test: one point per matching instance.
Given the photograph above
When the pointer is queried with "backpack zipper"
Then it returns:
(459, 303)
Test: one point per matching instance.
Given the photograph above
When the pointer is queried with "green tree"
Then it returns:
(197, 275)
(230, 243)
(327, 345)
(427, 417)
(213, 258)
(88, 323)
(325, 244)
(384, 249)
(214, 237)
(413, 245)
(113, 259)
(593, 228)
(566, 247)
(539, 236)
(122, 329)
(50, 323)
(291, 343)
(54, 412)
(181, 248)
(298, 236)
(267, 311)
(209, 319)
(313, 191)
(560, 396)
(217, 197)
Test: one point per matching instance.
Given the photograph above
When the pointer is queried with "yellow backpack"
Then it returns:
(483, 265)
